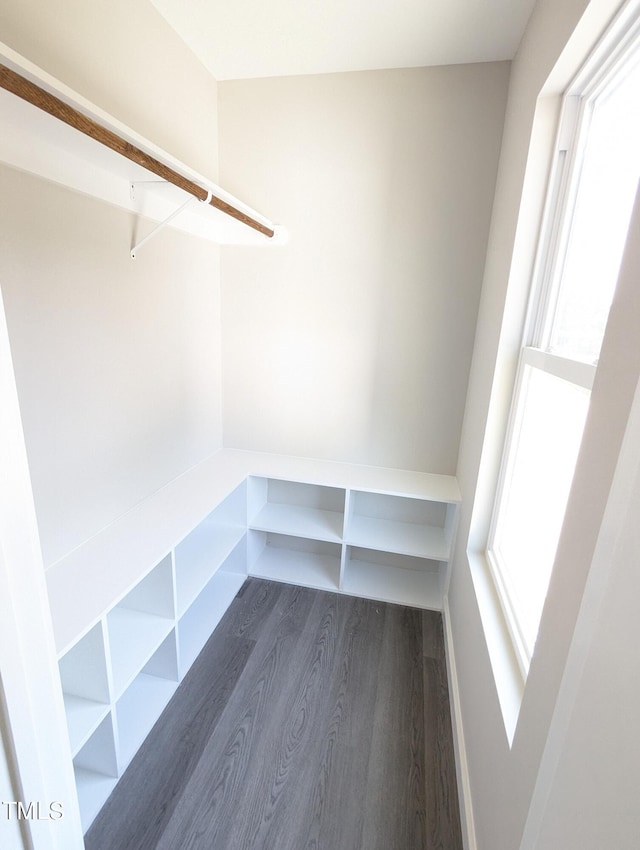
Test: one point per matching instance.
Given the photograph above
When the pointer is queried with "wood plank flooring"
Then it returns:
(310, 721)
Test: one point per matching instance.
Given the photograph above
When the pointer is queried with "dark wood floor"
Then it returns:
(310, 721)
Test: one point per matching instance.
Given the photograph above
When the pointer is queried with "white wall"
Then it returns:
(353, 342)
(507, 783)
(117, 363)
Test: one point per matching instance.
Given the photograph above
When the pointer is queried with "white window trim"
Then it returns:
(615, 50)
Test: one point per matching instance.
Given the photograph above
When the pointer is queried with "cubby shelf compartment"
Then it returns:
(96, 771)
(85, 686)
(144, 700)
(207, 547)
(294, 560)
(403, 579)
(418, 527)
(197, 624)
(139, 623)
(296, 509)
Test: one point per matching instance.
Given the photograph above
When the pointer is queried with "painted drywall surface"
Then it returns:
(353, 341)
(116, 361)
(502, 779)
(123, 56)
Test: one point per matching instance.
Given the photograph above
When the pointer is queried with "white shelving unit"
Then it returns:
(118, 677)
(145, 605)
(197, 624)
(373, 544)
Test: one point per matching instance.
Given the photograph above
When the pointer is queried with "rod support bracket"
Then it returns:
(161, 225)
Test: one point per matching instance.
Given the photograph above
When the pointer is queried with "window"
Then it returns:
(592, 191)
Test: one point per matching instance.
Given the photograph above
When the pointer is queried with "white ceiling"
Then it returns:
(238, 39)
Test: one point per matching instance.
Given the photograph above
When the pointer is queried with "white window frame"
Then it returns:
(609, 60)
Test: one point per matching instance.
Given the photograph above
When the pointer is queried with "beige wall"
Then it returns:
(124, 57)
(117, 363)
(508, 783)
(353, 341)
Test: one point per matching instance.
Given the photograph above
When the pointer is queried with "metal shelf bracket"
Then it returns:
(170, 218)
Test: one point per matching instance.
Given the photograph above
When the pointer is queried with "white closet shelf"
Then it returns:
(406, 538)
(40, 144)
(300, 521)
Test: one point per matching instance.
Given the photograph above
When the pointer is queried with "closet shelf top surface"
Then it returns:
(40, 144)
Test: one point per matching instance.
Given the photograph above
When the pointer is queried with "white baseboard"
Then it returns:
(462, 768)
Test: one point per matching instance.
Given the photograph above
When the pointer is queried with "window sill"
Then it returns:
(506, 670)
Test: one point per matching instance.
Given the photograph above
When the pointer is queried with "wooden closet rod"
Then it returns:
(25, 89)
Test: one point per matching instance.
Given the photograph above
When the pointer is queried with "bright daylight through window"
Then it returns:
(591, 197)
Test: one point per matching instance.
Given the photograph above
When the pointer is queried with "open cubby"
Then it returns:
(296, 509)
(139, 623)
(294, 560)
(417, 527)
(144, 700)
(96, 771)
(393, 577)
(197, 624)
(85, 686)
(206, 548)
